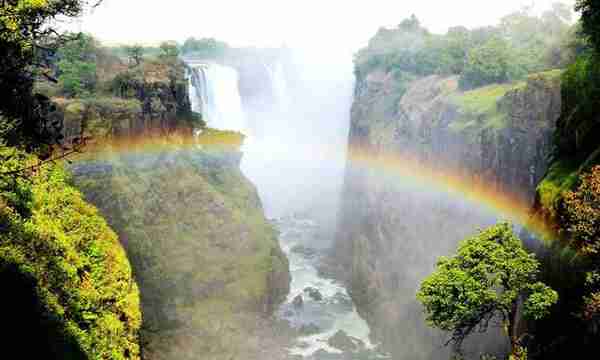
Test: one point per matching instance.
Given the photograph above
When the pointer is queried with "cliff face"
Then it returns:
(153, 97)
(208, 263)
(391, 234)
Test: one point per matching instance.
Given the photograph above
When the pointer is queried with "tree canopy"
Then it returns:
(484, 282)
(27, 39)
(590, 20)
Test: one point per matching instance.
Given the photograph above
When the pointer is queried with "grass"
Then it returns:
(479, 108)
(562, 176)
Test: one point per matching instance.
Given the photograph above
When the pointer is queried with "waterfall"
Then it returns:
(214, 92)
(278, 85)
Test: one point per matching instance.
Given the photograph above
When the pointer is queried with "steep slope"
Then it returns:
(391, 233)
(208, 263)
(69, 290)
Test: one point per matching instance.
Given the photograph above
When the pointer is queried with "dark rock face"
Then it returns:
(298, 302)
(155, 101)
(314, 294)
(342, 341)
(391, 233)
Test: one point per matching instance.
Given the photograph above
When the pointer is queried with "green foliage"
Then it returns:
(486, 278)
(205, 47)
(490, 63)
(169, 50)
(590, 20)
(77, 66)
(578, 125)
(79, 272)
(522, 44)
(27, 38)
(204, 262)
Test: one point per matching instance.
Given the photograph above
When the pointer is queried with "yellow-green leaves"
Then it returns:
(486, 278)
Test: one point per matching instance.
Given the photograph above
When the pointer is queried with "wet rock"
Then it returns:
(342, 341)
(324, 355)
(298, 302)
(343, 300)
(305, 251)
(314, 293)
(309, 329)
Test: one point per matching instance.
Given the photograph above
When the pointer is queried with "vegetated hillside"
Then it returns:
(208, 263)
(100, 95)
(480, 104)
(68, 288)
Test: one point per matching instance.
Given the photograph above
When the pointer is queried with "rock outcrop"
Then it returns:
(208, 263)
(391, 232)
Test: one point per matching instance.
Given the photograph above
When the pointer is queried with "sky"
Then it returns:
(344, 25)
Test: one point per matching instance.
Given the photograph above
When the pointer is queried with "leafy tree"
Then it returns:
(581, 219)
(207, 47)
(77, 66)
(590, 20)
(28, 37)
(487, 280)
(490, 63)
(135, 53)
(169, 50)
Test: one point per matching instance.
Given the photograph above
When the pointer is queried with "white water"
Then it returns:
(215, 94)
(295, 156)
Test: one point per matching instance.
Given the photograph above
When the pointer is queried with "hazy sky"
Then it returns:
(342, 24)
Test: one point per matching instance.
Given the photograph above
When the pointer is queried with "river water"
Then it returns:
(297, 162)
(326, 308)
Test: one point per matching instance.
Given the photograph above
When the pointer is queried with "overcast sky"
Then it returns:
(345, 25)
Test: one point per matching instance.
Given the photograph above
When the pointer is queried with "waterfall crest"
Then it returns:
(214, 92)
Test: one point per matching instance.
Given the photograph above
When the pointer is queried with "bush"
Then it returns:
(67, 265)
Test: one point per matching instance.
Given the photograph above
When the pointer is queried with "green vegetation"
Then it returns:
(486, 279)
(590, 20)
(77, 294)
(480, 108)
(206, 259)
(204, 48)
(522, 44)
(77, 67)
(27, 39)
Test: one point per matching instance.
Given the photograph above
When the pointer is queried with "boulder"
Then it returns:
(314, 293)
(342, 341)
(298, 302)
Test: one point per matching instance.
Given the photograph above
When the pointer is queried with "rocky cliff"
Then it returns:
(208, 263)
(151, 97)
(390, 233)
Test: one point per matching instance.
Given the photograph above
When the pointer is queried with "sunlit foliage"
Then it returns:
(484, 282)
(56, 247)
(27, 38)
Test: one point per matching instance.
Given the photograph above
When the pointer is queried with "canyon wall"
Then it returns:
(208, 263)
(391, 233)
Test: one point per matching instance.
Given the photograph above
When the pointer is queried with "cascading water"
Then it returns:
(297, 162)
(214, 93)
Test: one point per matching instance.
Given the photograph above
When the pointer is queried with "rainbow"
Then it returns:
(454, 182)
(405, 168)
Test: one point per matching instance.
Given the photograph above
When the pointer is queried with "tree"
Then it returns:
(169, 50)
(490, 63)
(77, 66)
(135, 53)
(489, 278)
(28, 38)
(581, 219)
(590, 20)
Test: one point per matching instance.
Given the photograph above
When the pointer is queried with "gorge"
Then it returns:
(348, 195)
